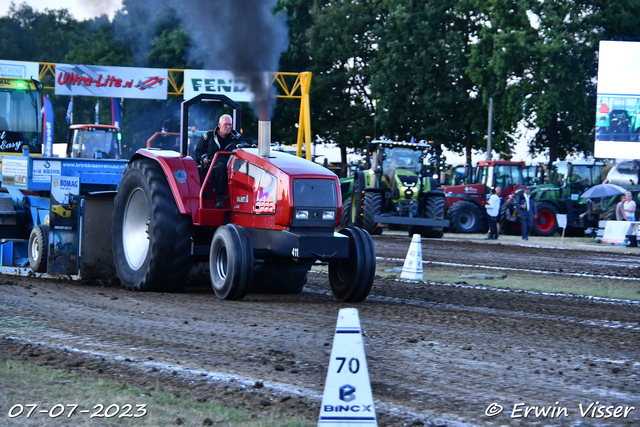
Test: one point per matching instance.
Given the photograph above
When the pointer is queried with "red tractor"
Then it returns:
(278, 221)
(465, 204)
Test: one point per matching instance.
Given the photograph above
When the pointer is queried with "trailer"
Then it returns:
(53, 215)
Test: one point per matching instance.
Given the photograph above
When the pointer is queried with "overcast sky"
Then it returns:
(80, 9)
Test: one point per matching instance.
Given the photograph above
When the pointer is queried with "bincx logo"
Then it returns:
(347, 393)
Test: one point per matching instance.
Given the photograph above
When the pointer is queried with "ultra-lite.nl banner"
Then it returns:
(111, 82)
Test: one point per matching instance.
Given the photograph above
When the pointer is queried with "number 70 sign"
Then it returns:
(347, 398)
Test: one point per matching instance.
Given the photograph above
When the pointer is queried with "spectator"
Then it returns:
(629, 207)
(527, 212)
(493, 210)
(620, 209)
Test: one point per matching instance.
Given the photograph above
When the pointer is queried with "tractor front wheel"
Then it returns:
(38, 243)
(465, 217)
(372, 207)
(151, 240)
(546, 223)
(351, 278)
(433, 208)
(231, 262)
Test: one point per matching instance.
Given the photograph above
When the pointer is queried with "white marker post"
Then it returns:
(412, 268)
(347, 398)
(562, 223)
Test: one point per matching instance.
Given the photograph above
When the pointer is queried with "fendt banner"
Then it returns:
(618, 104)
(111, 82)
(217, 82)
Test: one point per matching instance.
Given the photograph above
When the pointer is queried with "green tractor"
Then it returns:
(560, 194)
(397, 190)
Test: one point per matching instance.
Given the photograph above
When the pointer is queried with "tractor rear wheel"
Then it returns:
(231, 262)
(345, 216)
(433, 209)
(465, 217)
(372, 207)
(509, 224)
(351, 279)
(38, 244)
(610, 214)
(151, 240)
(546, 223)
(357, 210)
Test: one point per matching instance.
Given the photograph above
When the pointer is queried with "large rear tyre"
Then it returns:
(345, 216)
(151, 240)
(509, 224)
(231, 262)
(351, 279)
(610, 214)
(545, 223)
(357, 210)
(433, 209)
(38, 243)
(372, 207)
(465, 217)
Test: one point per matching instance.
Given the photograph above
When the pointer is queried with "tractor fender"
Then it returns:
(434, 193)
(182, 176)
(374, 190)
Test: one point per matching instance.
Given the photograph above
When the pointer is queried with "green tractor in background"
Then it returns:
(397, 190)
(560, 194)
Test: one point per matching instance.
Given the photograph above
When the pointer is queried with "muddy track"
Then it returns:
(474, 252)
(437, 354)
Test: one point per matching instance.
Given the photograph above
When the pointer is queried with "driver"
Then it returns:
(223, 138)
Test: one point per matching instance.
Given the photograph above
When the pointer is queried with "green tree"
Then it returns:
(296, 60)
(342, 47)
(421, 81)
(498, 61)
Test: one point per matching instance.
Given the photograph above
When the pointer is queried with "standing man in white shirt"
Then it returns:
(629, 207)
(493, 210)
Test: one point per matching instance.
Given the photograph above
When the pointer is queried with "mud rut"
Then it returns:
(437, 354)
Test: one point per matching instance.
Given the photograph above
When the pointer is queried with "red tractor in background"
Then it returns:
(278, 221)
(465, 204)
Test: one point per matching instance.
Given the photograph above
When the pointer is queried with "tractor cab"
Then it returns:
(500, 173)
(20, 123)
(93, 142)
(397, 162)
(575, 178)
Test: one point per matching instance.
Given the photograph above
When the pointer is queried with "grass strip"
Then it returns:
(53, 390)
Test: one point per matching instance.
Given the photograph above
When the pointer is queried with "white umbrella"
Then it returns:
(603, 190)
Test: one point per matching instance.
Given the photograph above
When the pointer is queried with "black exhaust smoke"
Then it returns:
(241, 36)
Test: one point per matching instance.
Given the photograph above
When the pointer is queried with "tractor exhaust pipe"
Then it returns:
(264, 137)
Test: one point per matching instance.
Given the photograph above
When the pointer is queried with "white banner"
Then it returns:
(111, 82)
(216, 82)
(19, 70)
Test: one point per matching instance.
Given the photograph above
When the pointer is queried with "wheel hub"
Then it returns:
(135, 229)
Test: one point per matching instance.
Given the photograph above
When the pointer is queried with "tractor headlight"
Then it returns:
(329, 215)
(302, 214)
